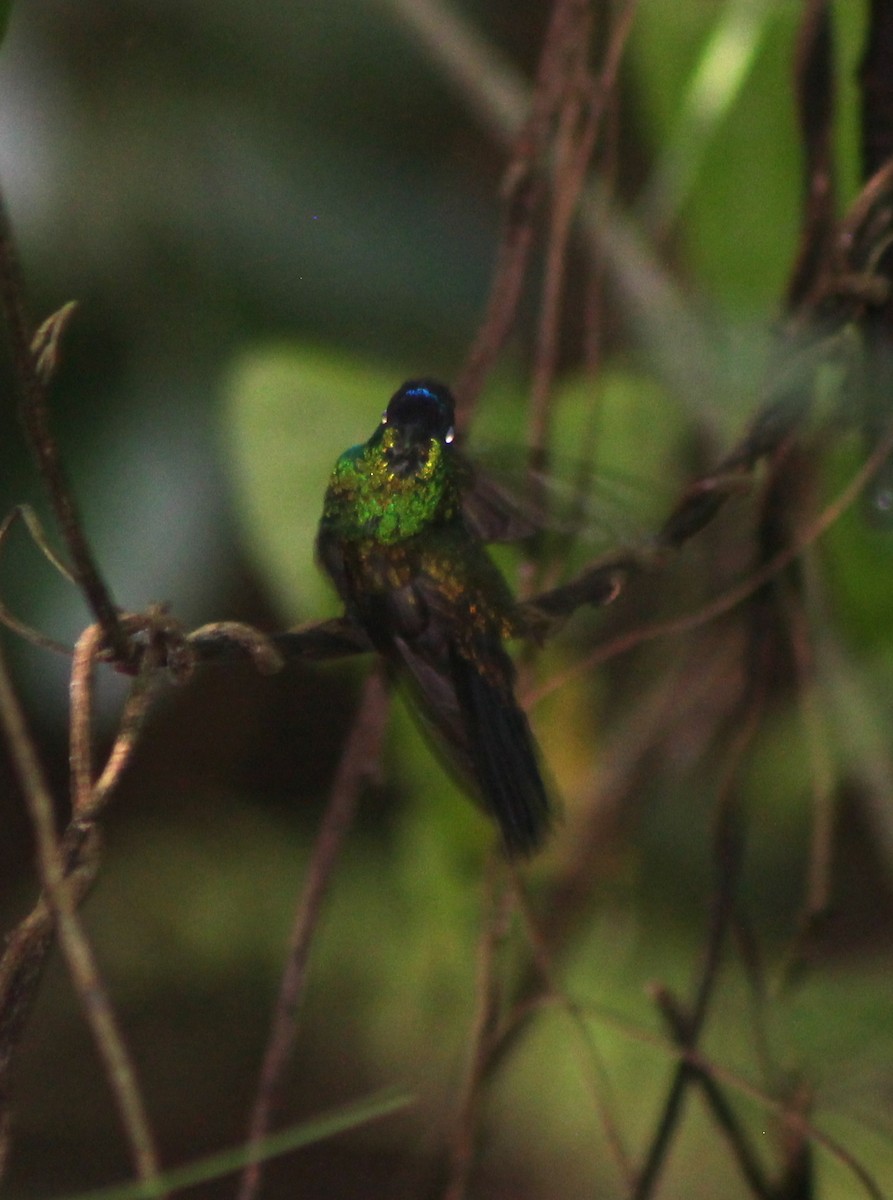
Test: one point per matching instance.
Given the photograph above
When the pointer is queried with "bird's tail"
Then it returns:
(503, 754)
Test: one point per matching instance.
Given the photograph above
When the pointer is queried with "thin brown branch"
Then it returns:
(573, 152)
(25, 513)
(499, 97)
(750, 1165)
(793, 1118)
(21, 969)
(523, 189)
(689, 1025)
(358, 760)
(735, 595)
(814, 92)
(877, 88)
(591, 1060)
(579, 127)
(81, 722)
(23, 961)
(794, 1121)
(780, 499)
(62, 902)
(259, 647)
(88, 798)
(227, 641)
(817, 736)
(505, 293)
(497, 912)
(35, 419)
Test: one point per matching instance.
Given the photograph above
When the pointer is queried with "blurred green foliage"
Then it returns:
(271, 216)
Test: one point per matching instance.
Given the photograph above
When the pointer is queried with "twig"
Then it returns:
(734, 596)
(814, 92)
(877, 89)
(793, 1119)
(523, 189)
(774, 532)
(587, 100)
(499, 98)
(26, 513)
(750, 1165)
(505, 293)
(573, 152)
(88, 798)
(817, 737)
(32, 380)
(597, 1075)
(727, 863)
(497, 910)
(75, 946)
(24, 958)
(21, 969)
(81, 724)
(360, 753)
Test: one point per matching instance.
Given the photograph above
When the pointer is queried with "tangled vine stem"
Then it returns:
(34, 359)
(838, 296)
(58, 910)
(357, 762)
(822, 328)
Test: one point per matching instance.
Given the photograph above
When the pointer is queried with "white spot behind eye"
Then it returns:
(450, 434)
(384, 417)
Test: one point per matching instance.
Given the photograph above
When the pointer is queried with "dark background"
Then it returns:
(269, 216)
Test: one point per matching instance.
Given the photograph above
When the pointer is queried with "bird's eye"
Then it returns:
(450, 434)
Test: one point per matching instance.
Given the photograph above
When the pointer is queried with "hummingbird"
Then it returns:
(409, 562)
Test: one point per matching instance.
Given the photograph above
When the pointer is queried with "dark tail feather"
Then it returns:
(504, 756)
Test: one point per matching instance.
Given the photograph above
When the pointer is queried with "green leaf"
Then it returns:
(715, 85)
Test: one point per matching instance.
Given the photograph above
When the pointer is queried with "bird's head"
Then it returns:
(420, 413)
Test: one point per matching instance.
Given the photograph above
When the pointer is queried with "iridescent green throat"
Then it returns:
(367, 500)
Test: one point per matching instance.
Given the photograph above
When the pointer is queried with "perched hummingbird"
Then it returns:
(414, 573)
